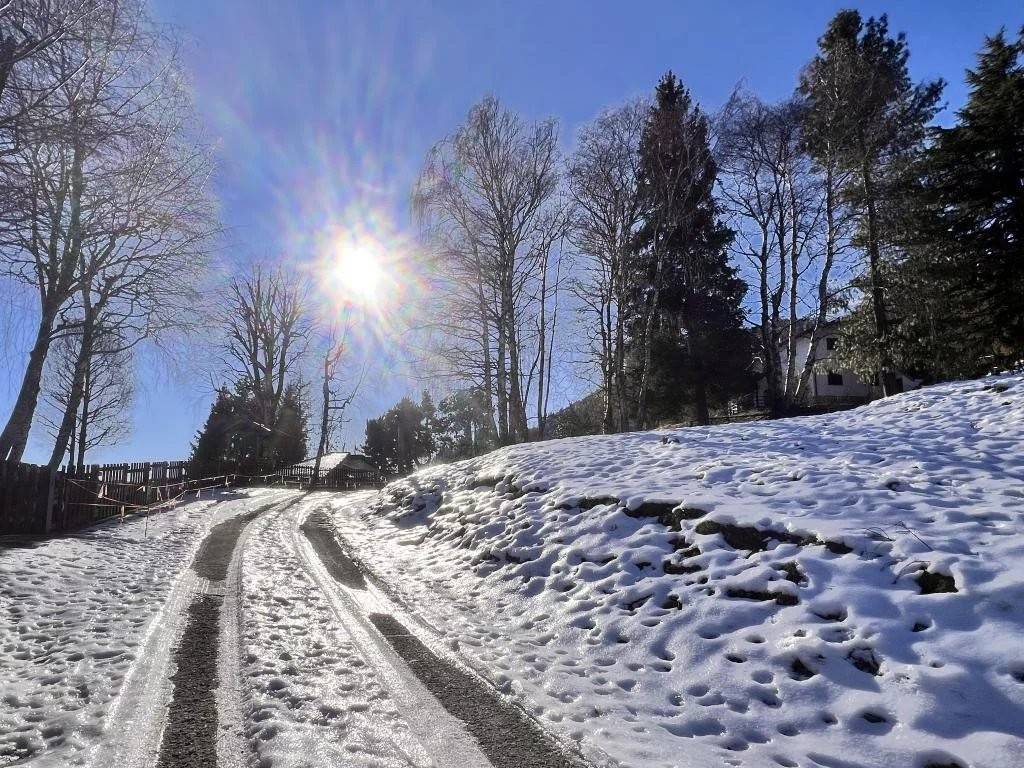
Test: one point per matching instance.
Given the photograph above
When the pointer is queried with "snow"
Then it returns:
(803, 620)
(327, 462)
(75, 616)
(311, 697)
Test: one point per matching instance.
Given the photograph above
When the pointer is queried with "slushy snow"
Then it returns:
(844, 591)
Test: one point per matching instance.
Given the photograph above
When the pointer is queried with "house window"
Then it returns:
(835, 379)
(831, 343)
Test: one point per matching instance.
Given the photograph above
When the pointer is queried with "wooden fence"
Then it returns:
(36, 500)
(329, 479)
(26, 496)
(96, 492)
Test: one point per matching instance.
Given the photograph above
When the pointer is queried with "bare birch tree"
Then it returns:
(780, 205)
(27, 29)
(334, 401)
(107, 390)
(112, 212)
(603, 179)
(485, 198)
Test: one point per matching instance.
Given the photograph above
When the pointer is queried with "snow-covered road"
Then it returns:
(233, 631)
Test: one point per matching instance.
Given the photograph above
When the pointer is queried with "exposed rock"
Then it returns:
(672, 603)
(781, 598)
(590, 502)
(931, 583)
(747, 537)
(865, 660)
(676, 568)
(800, 671)
(838, 548)
(793, 572)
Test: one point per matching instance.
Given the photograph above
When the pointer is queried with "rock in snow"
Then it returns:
(838, 591)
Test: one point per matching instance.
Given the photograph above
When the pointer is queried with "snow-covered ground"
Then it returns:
(839, 591)
(310, 696)
(75, 615)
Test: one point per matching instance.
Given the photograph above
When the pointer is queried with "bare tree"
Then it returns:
(143, 250)
(107, 391)
(783, 210)
(267, 337)
(603, 179)
(487, 197)
(27, 29)
(334, 403)
(111, 208)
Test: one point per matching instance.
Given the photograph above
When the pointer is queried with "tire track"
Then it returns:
(505, 735)
(193, 723)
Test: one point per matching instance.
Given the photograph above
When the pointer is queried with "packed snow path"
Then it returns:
(257, 641)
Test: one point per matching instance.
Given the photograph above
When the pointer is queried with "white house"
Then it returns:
(830, 387)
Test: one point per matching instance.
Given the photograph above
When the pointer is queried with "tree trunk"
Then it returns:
(72, 445)
(607, 364)
(15, 435)
(485, 345)
(620, 350)
(794, 264)
(502, 386)
(701, 411)
(68, 421)
(769, 331)
(517, 408)
(831, 237)
(641, 410)
(83, 432)
(886, 377)
(542, 340)
(700, 398)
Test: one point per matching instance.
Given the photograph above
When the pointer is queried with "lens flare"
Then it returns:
(358, 272)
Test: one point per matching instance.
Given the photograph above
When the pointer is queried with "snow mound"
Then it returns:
(837, 591)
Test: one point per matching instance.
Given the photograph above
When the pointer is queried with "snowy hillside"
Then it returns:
(837, 591)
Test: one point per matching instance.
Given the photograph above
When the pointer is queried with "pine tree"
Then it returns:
(400, 440)
(210, 445)
(228, 441)
(687, 334)
(971, 220)
(289, 442)
(864, 110)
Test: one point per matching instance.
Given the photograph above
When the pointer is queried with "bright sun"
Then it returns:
(358, 273)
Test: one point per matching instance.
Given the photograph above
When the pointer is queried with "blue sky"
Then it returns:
(322, 108)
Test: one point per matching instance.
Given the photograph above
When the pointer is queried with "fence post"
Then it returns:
(50, 500)
(147, 471)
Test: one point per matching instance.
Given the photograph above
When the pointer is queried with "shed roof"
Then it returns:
(353, 461)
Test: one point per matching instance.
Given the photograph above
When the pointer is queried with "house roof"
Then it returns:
(329, 461)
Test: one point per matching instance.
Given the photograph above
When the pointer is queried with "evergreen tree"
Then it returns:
(380, 446)
(228, 441)
(688, 341)
(211, 443)
(288, 444)
(463, 427)
(400, 440)
(864, 110)
(970, 222)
